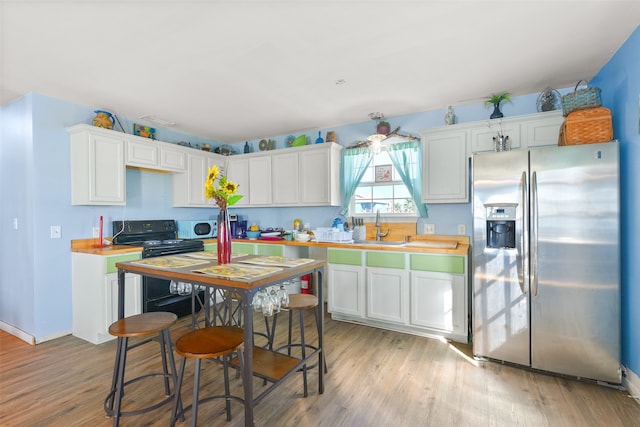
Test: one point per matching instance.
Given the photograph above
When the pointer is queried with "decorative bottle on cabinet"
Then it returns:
(450, 118)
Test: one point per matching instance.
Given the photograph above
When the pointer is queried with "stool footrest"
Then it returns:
(144, 410)
(269, 365)
(209, 399)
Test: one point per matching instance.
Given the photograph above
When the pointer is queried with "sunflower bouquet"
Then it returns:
(224, 193)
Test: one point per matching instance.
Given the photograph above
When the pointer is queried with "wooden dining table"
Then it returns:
(243, 278)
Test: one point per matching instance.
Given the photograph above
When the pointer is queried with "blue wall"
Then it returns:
(619, 80)
(35, 282)
(35, 270)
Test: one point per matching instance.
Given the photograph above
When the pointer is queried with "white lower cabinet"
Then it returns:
(438, 301)
(388, 295)
(94, 281)
(345, 287)
(418, 293)
(345, 282)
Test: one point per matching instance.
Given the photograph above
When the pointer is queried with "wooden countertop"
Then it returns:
(418, 243)
(91, 246)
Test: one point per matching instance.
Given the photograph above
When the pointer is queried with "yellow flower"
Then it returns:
(225, 193)
(231, 187)
(213, 173)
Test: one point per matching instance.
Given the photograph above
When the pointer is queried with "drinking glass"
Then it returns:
(257, 300)
(267, 305)
(283, 294)
(275, 298)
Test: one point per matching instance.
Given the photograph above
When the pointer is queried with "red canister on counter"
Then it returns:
(305, 284)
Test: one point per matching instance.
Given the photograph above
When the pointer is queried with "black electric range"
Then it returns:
(157, 238)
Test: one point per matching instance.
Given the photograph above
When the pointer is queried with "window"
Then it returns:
(382, 190)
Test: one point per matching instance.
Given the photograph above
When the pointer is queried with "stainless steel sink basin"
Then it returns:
(380, 243)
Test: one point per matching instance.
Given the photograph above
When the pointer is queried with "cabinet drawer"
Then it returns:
(270, 250)
(385, 259)
(112, 260)
(344, 257)
(240, 248)
(442, 263)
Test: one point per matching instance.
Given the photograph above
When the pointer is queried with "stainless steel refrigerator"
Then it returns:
(546, 259)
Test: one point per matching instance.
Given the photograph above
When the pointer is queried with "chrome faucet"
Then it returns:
(379, 235)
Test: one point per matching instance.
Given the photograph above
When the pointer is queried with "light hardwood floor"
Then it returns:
(376, 378)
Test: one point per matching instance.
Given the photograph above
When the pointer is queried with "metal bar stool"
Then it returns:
(207, 343)
(140, 325)
(301, 303)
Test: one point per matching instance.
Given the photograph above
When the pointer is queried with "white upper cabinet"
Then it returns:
(446, 150)
(237, 171)
(542, 131)
(142, 154)
(97, 167)
(260, 188)
(156, 155)
(308, 176)
(286, 185)
(188, 187)
(444, 169)
(319, 175)
(99, 158)
(481, 137)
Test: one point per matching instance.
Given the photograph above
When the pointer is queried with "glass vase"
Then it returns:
(224, 237)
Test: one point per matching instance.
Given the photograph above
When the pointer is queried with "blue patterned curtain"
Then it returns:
(407, 159)
(354, 164)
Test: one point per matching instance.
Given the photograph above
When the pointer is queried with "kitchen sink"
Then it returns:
(380, 243)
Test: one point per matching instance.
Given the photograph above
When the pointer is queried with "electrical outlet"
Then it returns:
(429, 229)
(96, 231)
(15, 223)
(56, 232)
(462, 229)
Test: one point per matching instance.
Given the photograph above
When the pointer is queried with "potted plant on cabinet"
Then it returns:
(495, 100)
(383, 128)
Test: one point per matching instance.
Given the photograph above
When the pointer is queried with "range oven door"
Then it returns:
(157, 296)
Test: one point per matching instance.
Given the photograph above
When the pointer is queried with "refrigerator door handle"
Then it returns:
(534, 234)
(524, 249)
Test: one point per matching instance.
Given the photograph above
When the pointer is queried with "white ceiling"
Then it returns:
(237, 70)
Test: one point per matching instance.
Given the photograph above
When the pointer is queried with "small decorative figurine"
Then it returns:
(450, 118)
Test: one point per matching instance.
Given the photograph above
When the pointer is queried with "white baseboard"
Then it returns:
(53, 337)
(631, 382)
(29, 339)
